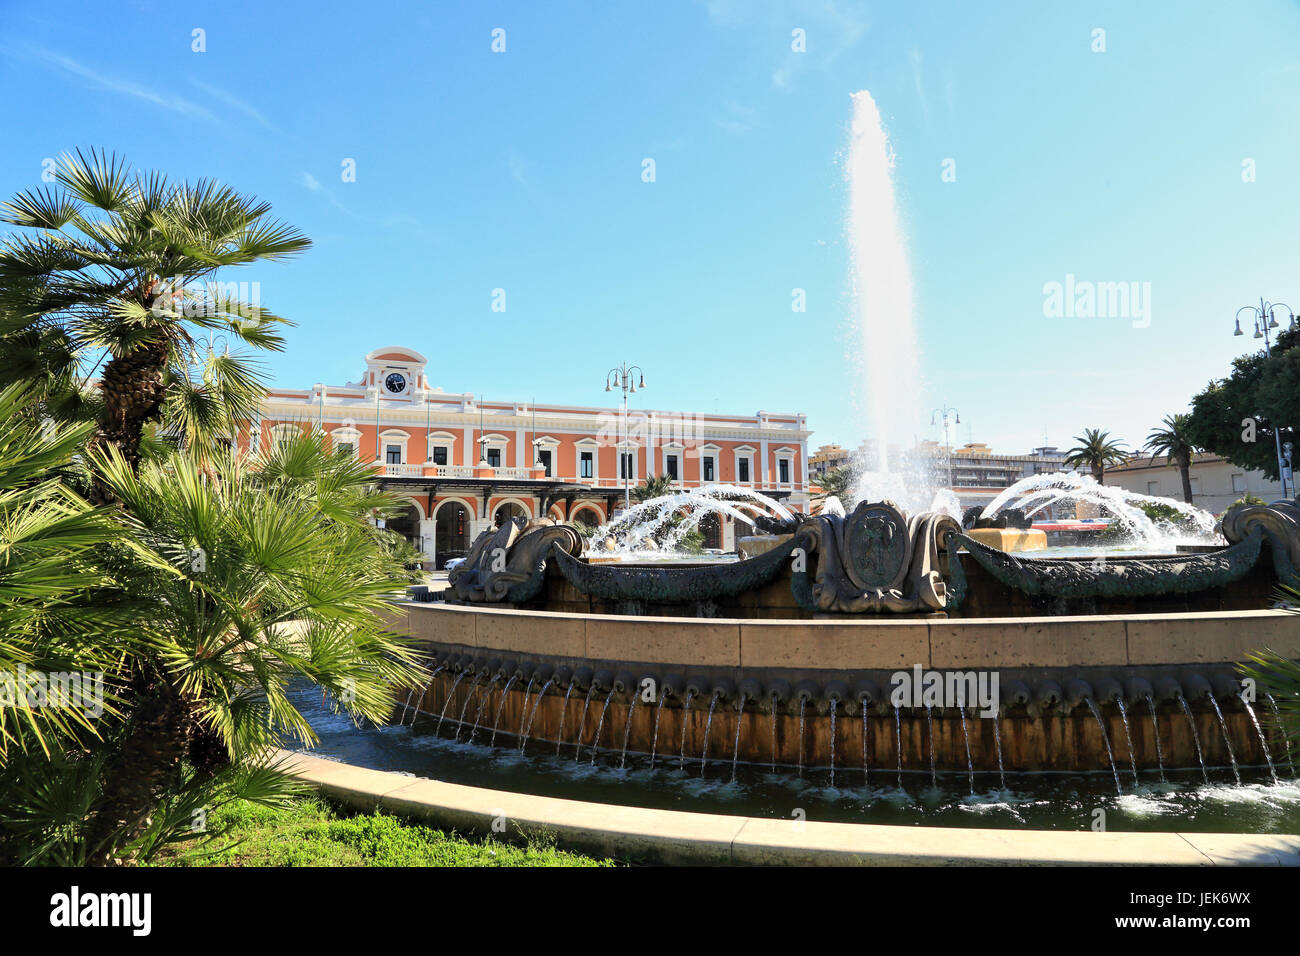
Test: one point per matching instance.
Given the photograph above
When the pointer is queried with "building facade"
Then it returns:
(1216, 482)
(464, 464)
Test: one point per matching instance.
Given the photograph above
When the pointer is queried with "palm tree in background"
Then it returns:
(1096, 451)
(119, 264)
(655, 486)
(1172, 440)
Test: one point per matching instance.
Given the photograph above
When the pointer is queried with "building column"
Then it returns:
(427, 542)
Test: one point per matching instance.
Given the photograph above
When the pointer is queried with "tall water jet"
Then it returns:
(833, 703)
(970, 767)
(882, 292)
(929, 727)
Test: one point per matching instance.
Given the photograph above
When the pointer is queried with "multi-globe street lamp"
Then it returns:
(1265, 321)
(943, 413)
(621, 377)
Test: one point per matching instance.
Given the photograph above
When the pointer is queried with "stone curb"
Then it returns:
(704, 839)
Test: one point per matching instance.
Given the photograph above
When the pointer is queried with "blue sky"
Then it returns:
(522, 171)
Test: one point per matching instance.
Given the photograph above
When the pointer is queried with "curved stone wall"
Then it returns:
(1049, 669)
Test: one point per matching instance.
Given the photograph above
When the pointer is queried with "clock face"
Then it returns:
(396, 382)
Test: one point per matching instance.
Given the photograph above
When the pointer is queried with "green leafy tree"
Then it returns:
(1236, 417)
(1095, 451)
(654, 486)
(837, 483)
(1174, 441)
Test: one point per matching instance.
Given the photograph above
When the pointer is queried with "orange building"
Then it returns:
(465, 464)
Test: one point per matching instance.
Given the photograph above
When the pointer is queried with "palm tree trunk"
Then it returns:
(1099, 473)
(133, 390)
(144, 765)
(1185, 472)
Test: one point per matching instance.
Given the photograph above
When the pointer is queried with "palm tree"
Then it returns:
(1173, 441)
(654, 486)
(247, 576)
(123, 265)
(1096, 451)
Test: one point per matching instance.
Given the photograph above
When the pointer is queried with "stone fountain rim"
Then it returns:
(680, 837)
(920, 619)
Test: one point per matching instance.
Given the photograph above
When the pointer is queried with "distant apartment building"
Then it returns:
(1216, 482)
(464, 464)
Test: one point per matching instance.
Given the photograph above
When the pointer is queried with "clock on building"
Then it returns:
(395, 382)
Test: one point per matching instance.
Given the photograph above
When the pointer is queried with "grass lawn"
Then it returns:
(311, 832)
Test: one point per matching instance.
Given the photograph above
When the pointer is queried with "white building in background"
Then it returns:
(1216, 482)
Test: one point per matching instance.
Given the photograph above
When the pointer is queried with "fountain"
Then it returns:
(814, 638)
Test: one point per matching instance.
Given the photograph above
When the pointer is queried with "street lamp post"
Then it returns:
(943, 412)
(1265, 321)
(621, 377)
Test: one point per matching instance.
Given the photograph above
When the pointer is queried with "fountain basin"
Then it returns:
(811, 663)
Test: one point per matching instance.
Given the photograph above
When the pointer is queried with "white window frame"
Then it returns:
(393, 436)
(593, 446)
(746, 453)
(786, 454)
(499, 442)
(440, 440)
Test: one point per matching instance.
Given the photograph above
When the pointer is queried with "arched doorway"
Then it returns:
(450, 532)
(585, 516)
(507, 511)
(407, 524)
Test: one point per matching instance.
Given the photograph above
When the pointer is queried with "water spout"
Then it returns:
(1155, 733)
(1263, 741)
(1226, 740)
(500, 706)
(1132, 758)
(1196, 738)
(627, 730)
(450, 694)
(1105, 738)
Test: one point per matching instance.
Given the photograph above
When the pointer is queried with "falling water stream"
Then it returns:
(582, 723)
(505, 691)
(1263, 741)
(970, 766)
(469, 698)
(533, 716)
(866, 765)
(833, 703)
(1224, 727)
(1132, 757)
(685, 726)
(997, 739)
(654, 741)
(523, 709)
(775, 701)
(686, 713)
(929, 727)
(564, 710)
(627, 731)
(450, 694)
(898, 743)
(1155, 735)
(482, 703)
(735, 753)
(600, 724)
(1196, 738)
(708, 724)
(1105, 738)
(1281, 731)
(803, 704)
(423, 690)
